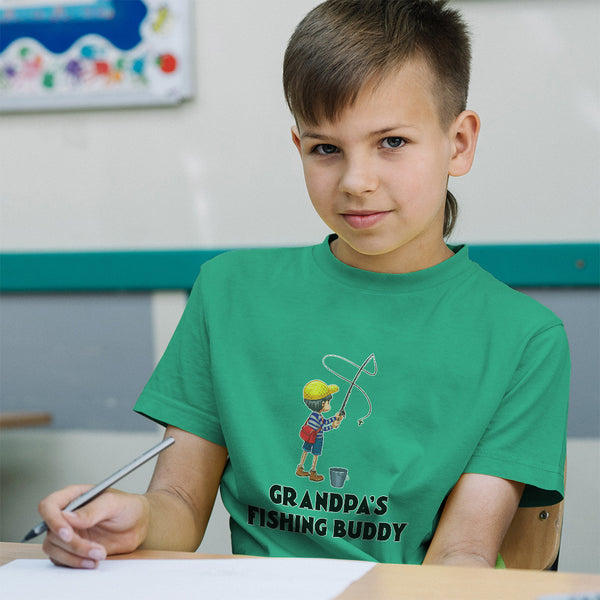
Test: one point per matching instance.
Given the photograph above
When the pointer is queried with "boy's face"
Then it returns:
(377, 175)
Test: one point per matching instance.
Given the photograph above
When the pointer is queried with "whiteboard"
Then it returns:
(63, 54)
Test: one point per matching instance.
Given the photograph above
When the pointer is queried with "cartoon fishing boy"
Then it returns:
(317, 397)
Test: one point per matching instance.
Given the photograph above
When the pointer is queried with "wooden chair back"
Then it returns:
(533, 538)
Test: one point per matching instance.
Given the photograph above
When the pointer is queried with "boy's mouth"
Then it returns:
(364, 220)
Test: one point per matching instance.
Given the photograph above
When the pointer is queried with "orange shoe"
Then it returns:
(301, 472)
(314, 476)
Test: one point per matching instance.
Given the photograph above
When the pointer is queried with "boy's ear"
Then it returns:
(464, 131)
(296, 138)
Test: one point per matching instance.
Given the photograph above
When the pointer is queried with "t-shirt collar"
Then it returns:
(456, 266)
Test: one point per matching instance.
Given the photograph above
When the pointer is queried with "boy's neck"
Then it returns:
(403, 260)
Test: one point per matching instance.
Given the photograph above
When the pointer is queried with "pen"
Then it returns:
(103, 485)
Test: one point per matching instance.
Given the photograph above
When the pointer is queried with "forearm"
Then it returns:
(172, 524)
(458, 558)
(182, 492)
(474, 521)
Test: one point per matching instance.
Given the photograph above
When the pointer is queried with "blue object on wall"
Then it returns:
(58, 28)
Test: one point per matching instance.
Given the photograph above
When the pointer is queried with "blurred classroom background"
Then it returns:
(218, 171)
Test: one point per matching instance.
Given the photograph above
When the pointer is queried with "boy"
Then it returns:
(468, 406)
(317, 397)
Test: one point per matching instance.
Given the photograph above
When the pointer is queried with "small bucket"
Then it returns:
(338, 476)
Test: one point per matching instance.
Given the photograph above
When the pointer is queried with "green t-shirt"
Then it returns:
(440, 372)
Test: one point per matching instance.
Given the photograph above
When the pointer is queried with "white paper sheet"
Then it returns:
(239, 579)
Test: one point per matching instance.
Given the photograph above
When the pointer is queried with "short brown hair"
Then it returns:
(341, 45)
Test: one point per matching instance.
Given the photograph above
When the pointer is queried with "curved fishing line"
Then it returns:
(352, 382)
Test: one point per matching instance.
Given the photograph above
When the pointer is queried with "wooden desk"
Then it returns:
(409, 582)
(24, 419)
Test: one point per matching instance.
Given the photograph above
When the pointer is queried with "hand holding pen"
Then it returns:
(112, 525)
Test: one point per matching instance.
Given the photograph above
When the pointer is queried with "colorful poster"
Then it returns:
(94, 53)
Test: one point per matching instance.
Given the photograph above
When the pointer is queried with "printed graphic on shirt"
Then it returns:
(316, 511)
(370, 360)
(351, 514)
(317, 396)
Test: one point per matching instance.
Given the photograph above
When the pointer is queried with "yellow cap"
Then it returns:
(317, 390)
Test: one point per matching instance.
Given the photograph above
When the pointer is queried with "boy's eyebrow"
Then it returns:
(317, 135)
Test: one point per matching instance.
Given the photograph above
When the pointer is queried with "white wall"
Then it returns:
(536, 86)
(196, 175)
(220, 171)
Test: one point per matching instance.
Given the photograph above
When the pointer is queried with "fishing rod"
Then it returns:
(353, 383)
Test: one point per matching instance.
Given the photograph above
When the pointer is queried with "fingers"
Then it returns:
(65, 543)
(71, 550)
(113, 523)
(51, 508)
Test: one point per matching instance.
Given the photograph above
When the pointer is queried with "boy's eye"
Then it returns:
(325, 149)
(393, 142)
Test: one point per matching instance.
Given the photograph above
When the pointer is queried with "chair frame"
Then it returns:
(533, 538)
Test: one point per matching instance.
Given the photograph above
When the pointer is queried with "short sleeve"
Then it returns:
(180, 391)
(526, 439)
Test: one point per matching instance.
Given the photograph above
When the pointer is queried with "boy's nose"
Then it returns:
(358, 178)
